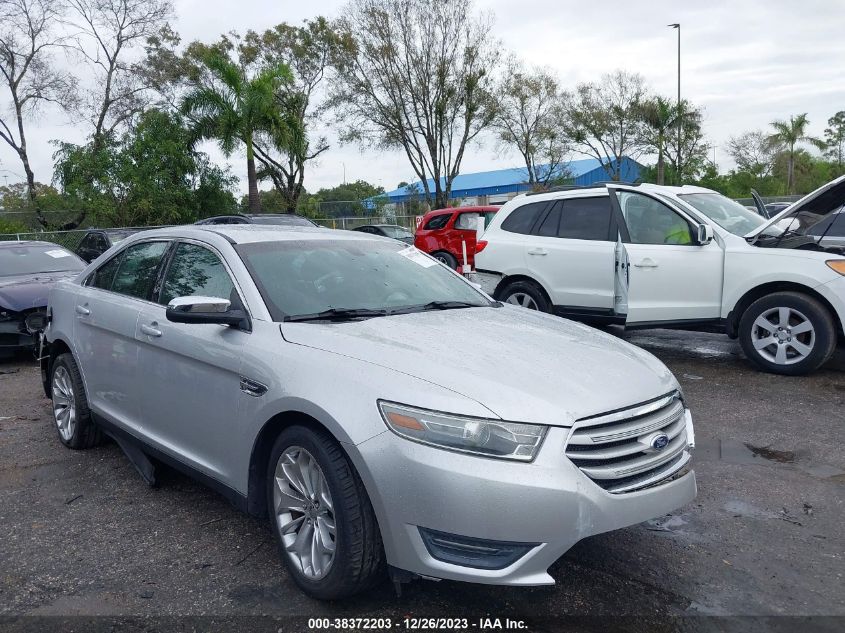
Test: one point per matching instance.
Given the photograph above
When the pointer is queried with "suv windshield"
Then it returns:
(43, 258)
(309, 277)
(728, 214)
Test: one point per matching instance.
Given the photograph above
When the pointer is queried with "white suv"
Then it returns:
(697, 260)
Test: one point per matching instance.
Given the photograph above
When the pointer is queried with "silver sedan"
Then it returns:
(383, 412)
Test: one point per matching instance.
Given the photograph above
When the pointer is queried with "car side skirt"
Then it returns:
(122, 436)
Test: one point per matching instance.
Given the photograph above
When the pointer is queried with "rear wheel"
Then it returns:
(70, 405)
(525, 294)
(446, 258)
(322, 518)
(787, 333)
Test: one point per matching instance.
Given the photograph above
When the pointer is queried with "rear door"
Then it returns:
(107, 311)
(671, 277)
(572, 253)
(191, 386)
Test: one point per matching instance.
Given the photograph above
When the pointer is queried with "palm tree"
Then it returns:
(232, 108)
(787, 135)
(660, 116)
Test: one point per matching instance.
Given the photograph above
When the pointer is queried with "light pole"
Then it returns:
(344, 172)
(677, 26)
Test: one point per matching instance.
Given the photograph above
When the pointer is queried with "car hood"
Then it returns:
(23, 292)
(521, 365)
(826, 199)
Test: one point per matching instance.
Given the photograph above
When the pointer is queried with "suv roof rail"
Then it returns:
(595, 185)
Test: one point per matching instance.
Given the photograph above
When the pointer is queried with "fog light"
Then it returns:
(473, 552)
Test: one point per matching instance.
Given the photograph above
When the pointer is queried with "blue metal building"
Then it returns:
(502, 182)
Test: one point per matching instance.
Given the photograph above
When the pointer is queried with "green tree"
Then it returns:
(661, 119)
(231, 107)
(787, 136)
(148, 177)
(834, 139)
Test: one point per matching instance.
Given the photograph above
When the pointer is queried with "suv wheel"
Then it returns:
(70, 406)
(525, 294)
(446, 258)
(787, 333)
(322, 518)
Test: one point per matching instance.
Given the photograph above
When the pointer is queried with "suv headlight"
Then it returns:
(478, 436)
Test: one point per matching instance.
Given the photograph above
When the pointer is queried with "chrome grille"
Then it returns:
(615, 449)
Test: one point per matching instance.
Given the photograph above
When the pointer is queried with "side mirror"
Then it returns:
(204, 310)
(704, 234)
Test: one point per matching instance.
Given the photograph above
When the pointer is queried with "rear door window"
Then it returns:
(549, 226)
(138, 267)
(522, 219)
(586, 219)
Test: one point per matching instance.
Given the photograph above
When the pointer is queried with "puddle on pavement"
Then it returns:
(736, 452)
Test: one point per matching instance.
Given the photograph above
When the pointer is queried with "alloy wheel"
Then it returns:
(783, 336)
(304, 512)
(64, 403)
(522, 299)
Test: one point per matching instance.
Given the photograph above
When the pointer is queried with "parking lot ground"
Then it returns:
(81, 533)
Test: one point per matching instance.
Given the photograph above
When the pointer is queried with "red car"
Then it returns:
(441, 232)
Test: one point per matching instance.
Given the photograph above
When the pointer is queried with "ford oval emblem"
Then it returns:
(659, 441)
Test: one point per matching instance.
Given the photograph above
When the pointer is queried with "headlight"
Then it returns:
(479, 436)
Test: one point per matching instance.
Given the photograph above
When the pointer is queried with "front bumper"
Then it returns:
(13, 334)
(549, 502)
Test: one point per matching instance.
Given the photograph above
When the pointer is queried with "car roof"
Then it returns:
(252, 233)
(13, 243)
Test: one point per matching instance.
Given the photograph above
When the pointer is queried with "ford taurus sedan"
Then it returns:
(309, 375)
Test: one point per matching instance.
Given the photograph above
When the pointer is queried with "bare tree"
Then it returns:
(753, 153)
(109, 31)
(28, 36)
(603, 119)
(418, 79)
(529, 117)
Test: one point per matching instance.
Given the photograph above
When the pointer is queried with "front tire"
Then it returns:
(321, 516)
(787, 333)
(70, 405)
(525, 294)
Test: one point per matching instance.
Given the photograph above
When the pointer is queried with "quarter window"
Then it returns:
(137, 271)
(652, 222)
(437, 222)
(195, 271)
(104, 276)
(522, 219)
(586, 219)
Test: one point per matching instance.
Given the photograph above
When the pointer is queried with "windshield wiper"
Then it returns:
(436, 305)
(337, 314)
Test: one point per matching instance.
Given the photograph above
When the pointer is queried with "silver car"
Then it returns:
(379, 408)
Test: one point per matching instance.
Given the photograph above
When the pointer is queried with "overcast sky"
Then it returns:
(746, 62)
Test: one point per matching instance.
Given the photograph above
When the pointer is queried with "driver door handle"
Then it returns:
(648, 262)
(538, 251)
(149, 330)
(82, 311)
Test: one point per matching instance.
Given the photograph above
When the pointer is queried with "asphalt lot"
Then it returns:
(81, 533)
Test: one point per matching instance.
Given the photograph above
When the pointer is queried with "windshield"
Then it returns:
(728, 214)
(27, 259)
(283, 220)
(396, 232)
(307, 277)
